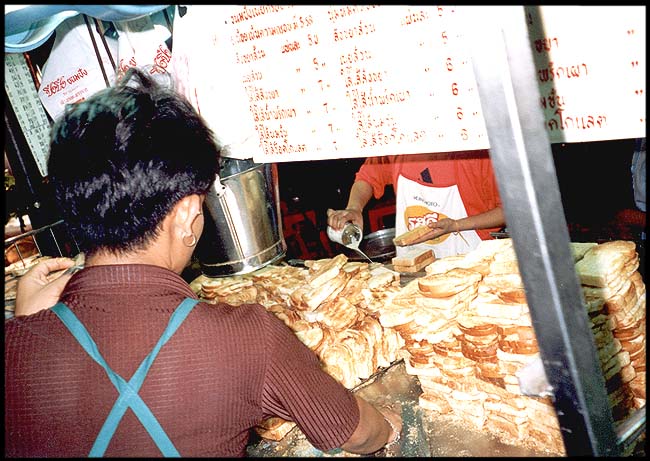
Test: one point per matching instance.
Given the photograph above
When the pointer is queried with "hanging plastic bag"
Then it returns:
(79, 65)
(142, 43)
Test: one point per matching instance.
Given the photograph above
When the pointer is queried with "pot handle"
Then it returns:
(219, 187)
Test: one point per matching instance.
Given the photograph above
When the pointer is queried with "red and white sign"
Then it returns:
(293, 83)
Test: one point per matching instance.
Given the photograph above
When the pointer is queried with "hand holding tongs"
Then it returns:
(79, 262)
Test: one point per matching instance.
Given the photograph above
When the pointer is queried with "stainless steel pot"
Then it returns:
(242, 231)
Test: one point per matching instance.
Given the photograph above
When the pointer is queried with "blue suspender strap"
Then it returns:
(128, 391)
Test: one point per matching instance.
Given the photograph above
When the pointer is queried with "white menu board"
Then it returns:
(590, 64)
(322, 82)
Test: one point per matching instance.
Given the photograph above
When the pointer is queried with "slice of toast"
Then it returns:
(407, 238)
(412, 257)
(274, 428)
(417, 267)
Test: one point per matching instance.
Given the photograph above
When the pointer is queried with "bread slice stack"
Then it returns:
(509, 414)
(543, 429)
(464, 329)
(276, 283)
(413, 260)
(479, 342)
(478, 260)
(231, 290)
(339, 296)
(608, 264)
(495, 334)
(332, 306)
(378, 291)
(494, 339)
(613, 288)
(501, 296)
(433, 348)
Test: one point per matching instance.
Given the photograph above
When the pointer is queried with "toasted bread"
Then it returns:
(274, 428)
(415, 267)
(407, 238)
(448, 283)
(434, 403)
(412, 257)
(578, 249)
(607, 261)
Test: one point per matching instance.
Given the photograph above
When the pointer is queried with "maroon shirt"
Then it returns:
(223, 371)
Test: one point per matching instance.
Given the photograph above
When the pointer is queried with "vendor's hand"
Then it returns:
(395, 421)
(336, 219)
(438, 228)
(37, 290)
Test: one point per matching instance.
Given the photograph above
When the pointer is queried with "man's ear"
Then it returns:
(186, 211)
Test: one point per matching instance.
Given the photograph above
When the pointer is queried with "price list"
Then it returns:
(336, 81)
(590, 64)
(356, 81)
(28, 108)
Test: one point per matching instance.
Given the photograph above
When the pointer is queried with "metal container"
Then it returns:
(349, 236)
(242, 231)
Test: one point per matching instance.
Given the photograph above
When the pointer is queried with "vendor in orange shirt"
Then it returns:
(454, 193)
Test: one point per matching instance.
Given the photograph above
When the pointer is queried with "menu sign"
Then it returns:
(321, 82)
(590, 64)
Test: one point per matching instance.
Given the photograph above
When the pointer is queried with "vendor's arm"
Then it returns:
(375, 430)
(492, 218)
(298, 389)
(360, 195)
(37, 291)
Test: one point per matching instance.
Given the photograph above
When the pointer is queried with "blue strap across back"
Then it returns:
(128, 390)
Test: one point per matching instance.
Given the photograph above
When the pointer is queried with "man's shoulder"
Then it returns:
(218, 310)
(246, 315)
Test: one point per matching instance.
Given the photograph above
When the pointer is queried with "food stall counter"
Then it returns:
(424, 434)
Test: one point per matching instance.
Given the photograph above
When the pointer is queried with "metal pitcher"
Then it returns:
(243, 230)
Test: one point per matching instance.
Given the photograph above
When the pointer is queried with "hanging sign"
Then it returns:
(590, 64)
(29, 111)
(320, 82)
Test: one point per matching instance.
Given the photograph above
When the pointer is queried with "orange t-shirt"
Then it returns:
(471, 171)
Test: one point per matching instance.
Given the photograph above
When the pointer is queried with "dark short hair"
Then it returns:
(120, 160)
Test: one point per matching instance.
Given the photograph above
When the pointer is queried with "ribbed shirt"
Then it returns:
(225, 369)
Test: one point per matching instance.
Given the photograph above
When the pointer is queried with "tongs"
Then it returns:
(73, 269)
(79, 262)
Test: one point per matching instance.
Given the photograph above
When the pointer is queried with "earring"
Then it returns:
(192, 243)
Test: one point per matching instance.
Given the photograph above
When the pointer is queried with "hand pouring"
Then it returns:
(350, 237)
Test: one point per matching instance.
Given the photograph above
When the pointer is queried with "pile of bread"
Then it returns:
(332, 306)
(464, 329)
(21, 266)
(468, 332)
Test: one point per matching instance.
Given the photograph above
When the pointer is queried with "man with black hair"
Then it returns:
(128, 362)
